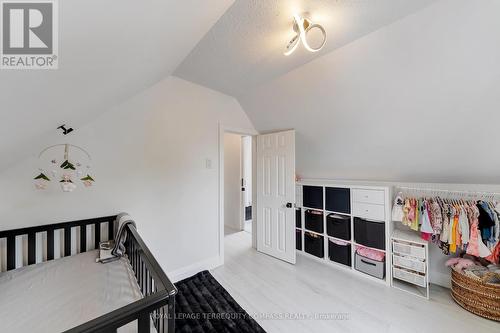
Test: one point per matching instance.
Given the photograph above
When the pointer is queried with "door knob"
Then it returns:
(289, 205)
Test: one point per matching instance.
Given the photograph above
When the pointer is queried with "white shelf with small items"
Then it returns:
(410, 263)
(333, 218)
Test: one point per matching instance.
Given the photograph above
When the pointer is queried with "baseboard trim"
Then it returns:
(441, 279)
(192, 269)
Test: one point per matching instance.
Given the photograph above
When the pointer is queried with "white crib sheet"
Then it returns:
(61, 294)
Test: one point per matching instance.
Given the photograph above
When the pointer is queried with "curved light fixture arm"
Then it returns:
(302, 26)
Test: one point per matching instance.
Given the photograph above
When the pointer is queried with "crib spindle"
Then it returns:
(67, 241)
(97, 232)
(111, 230)
(50, 244)
(83, 238)
(11, 252)
(31, 248)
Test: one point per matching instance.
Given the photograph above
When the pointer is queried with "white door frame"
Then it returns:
(246, 132)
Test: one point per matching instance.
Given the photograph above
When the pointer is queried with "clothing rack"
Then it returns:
(447, 193)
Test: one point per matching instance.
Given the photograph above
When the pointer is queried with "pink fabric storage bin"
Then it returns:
(370, 253)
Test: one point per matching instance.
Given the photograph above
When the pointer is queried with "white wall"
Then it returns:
(149, 160)
(232, 181)
(417, 100)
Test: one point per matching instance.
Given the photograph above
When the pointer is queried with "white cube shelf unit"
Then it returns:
(354, 203)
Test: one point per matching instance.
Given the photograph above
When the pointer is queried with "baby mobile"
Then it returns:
(66, 164)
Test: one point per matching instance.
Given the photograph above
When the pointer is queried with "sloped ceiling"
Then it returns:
(109, 51)
(245, 48)
(416, 101)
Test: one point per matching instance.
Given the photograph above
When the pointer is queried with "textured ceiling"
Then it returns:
(245, 48)
(109, 51)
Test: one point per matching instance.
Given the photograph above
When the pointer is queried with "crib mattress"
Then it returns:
(61, 294)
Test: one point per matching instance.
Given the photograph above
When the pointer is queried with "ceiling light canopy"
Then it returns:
(302, 26)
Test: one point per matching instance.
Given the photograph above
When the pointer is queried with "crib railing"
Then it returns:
(157, 306)
(152, 280)
(48, 246)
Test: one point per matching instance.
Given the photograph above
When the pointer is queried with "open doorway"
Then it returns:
(237, 183)
(246, 182)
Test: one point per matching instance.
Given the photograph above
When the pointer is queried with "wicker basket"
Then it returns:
(475, 295)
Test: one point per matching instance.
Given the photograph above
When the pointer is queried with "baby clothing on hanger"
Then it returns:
(453, 230)
(464, 226)
(494, 257)
(416, 221)
(473, 248)
(436, 218)
(443, 237)
(406, 212)
(485, 218)
(425, 227)
(397, 209)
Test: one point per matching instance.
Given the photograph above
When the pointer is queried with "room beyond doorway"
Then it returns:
(237, 183)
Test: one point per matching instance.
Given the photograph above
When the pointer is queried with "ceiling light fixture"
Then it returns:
(302, 26)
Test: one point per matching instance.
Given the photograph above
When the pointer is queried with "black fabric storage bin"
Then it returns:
(313, 244)
(298, 240)
(313, 222)
(369, 233)
(338, 200)
(298, 218)
(340, 253)
(338, 226)
(312, 196)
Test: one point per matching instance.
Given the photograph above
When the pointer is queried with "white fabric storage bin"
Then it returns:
(417, 251)
(370, 266)
(406, 262)
(414, 278)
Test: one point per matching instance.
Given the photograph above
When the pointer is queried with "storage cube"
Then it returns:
(340, 253)
(370, 266)
(338, 200)
(313, 244)
(312, 197)
(369, 233)
(314, 220)
(338, 226)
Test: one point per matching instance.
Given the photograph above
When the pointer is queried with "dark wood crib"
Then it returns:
(158, 303)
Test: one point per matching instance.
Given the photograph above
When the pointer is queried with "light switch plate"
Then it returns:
(208, 163)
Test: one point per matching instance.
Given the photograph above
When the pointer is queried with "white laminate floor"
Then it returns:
(269, 288)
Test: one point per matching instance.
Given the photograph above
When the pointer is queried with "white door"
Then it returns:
(276, 195)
